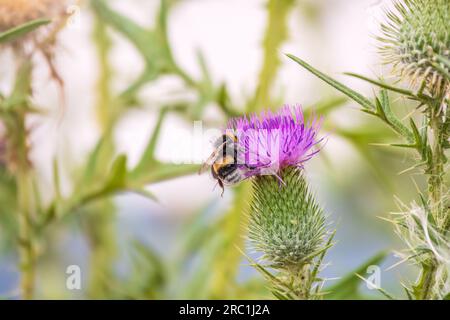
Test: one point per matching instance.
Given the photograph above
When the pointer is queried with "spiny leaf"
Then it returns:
(392, 119)
(139, 36)
(347, 287)
(383, 85)
(19, 31)
(360, 99)
(22, 88)
(381, 290)
(118, 176)
(148, 157)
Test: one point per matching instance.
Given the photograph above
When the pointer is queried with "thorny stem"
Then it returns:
(26, 246)
(435, 195)
(300, 279)
(27, 252)
(436, 180)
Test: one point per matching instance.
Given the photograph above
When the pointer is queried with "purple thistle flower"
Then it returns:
(270, 142)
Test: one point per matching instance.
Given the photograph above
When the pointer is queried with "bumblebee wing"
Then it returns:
(209, 162)
(212, 158)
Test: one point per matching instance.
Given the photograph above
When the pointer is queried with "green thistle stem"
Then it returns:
(429, 278)
(300, 279)
(26, 247)
(27, 251)
(23, 174)
(436, 180)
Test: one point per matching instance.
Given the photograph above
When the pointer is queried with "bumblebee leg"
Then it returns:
(223, 188)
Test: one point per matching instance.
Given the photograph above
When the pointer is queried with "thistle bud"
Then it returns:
(416, 40)
(286, 223)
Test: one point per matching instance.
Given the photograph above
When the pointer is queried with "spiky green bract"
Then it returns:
(427, 247)
(416, 41)
(286, 224)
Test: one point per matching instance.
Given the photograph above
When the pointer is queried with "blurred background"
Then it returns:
(141, 69)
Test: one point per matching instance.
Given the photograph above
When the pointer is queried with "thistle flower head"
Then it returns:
(286, 223)
(270, 142)
(416, 37)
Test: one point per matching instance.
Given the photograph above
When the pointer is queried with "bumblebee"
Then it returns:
(224, 161)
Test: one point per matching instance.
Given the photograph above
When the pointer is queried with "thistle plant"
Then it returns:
(286, 225)
(416, 42)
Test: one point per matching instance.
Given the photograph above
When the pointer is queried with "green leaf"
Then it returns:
(148, 157)
(319, 261)
(381, 290)
(145, 193)
(161, 172)
(22, 88)
(326, 106)
(382, 84)
(417, 136)
(272, 279)
(56, 179)
(391, 119)
(155, 270)
(407, 292)
(95, 168)
(19, 31)
(139, 36)
(360, 99)
(348, 286)
(151, 44)
(118, 176)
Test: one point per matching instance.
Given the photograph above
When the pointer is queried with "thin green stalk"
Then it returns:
(276, 33)
(99, 217)
(22, 170)
(27, 253)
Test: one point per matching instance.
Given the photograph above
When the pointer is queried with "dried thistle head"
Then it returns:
(415, 35)
(16, 12)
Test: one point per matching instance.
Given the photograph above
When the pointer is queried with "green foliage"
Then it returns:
(348, 286)
(19, 31)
